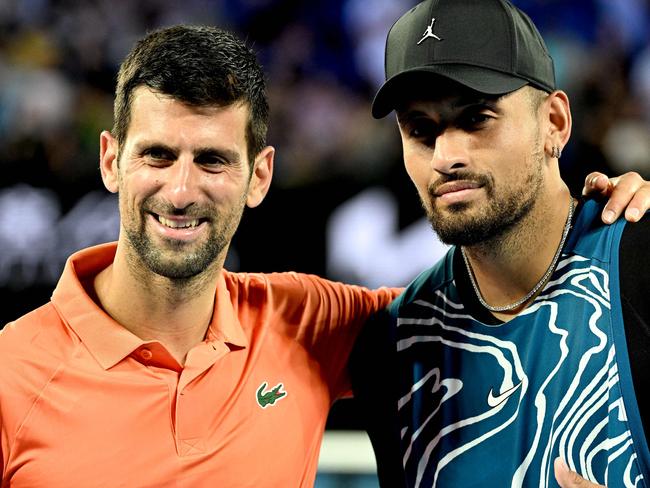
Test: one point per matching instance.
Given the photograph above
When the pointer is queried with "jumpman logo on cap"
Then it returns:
(429, 32)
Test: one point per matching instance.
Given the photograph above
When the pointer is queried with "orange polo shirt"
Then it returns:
(85, 403)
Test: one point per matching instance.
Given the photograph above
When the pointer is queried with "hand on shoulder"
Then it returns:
(628, 192)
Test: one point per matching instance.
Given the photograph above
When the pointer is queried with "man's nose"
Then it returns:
(450, 150)
(182, 182)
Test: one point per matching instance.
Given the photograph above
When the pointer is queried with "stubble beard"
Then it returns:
(180, 261)
(457, 226)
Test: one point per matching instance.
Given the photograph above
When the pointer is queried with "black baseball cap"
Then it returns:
(487, 45)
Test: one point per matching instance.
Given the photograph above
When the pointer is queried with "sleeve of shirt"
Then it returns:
(4, 440)
(3, 448)
(326, 316)
(4, 443)
(374, 376)
(635, 282)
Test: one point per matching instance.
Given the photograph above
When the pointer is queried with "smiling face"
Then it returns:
(184, 178)
(477, 162)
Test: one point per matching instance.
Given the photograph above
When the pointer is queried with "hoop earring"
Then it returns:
(556, 152)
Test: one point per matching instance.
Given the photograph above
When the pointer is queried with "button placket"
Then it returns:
(191, 437)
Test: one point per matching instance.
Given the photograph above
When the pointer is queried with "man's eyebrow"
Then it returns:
(148, 144)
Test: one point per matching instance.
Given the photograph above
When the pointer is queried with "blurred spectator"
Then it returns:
(324, 60)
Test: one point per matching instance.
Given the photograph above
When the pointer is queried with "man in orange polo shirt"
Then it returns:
(152, 366)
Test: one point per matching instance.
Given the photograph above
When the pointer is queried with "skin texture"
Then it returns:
(183, 183)
(184, 177)
(485, 173)
(471, 161)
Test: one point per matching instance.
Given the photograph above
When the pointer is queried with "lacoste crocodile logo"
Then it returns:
(264, 399)
(496, 400)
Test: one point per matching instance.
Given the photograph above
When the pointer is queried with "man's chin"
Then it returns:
(167, 244)
(173, 258)
(178, 268)
(460, 231)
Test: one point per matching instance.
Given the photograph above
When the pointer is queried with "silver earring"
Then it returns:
(556, 152)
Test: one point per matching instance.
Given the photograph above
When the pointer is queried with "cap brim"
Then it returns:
(480, 79)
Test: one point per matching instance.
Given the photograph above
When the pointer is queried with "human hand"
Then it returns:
(569, 479)
(627, 192)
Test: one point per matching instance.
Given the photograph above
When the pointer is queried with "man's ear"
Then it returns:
(558, 113)
(261, 177)
(108, 160)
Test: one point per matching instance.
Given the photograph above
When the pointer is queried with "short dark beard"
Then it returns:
(190, 264)
(499, 216)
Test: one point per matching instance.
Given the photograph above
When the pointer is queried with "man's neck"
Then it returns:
(155, 308)
(508, 268)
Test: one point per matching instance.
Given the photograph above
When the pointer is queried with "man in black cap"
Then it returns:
(524, 351)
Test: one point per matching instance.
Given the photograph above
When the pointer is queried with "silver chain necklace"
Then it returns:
(539, 284)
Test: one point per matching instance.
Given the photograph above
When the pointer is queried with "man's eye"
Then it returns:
(421, 130)
(478, 118)
(474, 120)
(158, 154)
(210, 160)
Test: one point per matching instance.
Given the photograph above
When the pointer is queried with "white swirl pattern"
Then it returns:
(569, 402)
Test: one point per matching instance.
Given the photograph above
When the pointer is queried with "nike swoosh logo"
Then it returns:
(494, 401)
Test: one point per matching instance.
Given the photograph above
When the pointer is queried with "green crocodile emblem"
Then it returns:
(271, 396)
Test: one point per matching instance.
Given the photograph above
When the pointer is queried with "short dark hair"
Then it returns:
(200, 66)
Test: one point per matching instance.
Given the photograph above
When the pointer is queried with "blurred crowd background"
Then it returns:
(341, 204)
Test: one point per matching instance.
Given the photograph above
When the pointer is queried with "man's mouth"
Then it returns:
(455, 186)
(178, 223)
